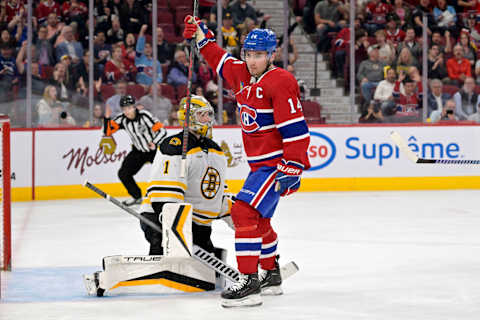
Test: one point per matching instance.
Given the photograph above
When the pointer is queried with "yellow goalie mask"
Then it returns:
(201, 115)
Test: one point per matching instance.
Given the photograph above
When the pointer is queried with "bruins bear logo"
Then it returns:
(210, 183)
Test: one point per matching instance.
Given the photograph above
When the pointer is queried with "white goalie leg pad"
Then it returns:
(177, 229)
(150, 275)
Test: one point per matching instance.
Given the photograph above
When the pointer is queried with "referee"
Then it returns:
(145, 131)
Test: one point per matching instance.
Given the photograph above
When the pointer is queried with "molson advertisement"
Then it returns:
(54, 164)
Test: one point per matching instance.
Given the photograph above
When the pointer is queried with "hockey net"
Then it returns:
(5, 218)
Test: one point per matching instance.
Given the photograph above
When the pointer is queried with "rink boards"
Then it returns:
(52, 164)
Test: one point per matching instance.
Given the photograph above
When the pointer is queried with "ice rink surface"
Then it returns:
(363, 255)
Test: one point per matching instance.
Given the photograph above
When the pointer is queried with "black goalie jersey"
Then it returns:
(203, 184)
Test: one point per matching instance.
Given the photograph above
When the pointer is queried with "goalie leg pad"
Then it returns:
(150, 274)
(248, 240)
(177, 229)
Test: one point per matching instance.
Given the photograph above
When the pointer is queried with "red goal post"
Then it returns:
(5, 196)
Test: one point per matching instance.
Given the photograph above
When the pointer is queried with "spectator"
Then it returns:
(47, 108)
(44, 52)
(376, 15)
(327, 19)
(386, 51)
(69, 46)
(164, 49)
(104, 15)
(384, 91)
(74, 81)
(8, 70)
(422, 9)
(436, 96)
(97, 117)
(464, 5)
(205, 73)
(132, 16)
(178, 73)
(45, 8)
(393, 33)
(405, 60)
(212, 19)
(113, 103)
(6, 39)
(119, 68)
(144, 61)
(410, 43)
(407, 104)
(74, 10)
(162, 109)
(101, 50)
(444, 46)
(445, 114)
(458, 67)
(403, 12)
(66, 120)
(53, 27)
(115, 34)
(445, 16)
(128, 48)
(18, 27)
(466, 100)
(14, 8)
(21, 62)
(372, 114)
(230, 35)
(436, 64)
(241, 10)
(370, 73)
(469, 50)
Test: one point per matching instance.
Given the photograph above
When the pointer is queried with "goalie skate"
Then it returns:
(92, 284)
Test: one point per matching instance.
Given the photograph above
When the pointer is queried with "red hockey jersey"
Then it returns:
(273, 126)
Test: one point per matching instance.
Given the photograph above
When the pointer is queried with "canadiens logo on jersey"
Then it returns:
(248, 118)
(210, 183)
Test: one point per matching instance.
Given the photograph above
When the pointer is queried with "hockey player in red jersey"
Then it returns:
(275, 137)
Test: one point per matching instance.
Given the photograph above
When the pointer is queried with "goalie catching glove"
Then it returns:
(288, 177)
(108, 145)
(195, 28)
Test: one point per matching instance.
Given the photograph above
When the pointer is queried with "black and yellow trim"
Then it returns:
(179, 222)
(169, 279)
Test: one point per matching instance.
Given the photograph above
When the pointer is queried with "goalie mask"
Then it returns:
(198, 106)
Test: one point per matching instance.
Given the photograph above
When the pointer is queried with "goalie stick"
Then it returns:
(200, 254)
(402, 145)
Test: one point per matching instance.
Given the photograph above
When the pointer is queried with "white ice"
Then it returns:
(362, 255)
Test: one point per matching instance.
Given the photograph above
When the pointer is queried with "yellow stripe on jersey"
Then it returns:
(198, 149)
(165, 195)
(206, 213)
(167, 183)
(200, 221)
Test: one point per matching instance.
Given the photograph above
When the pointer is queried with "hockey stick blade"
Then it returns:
(198, 253)
(402, 145)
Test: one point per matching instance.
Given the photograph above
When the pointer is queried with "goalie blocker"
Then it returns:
(174, 271)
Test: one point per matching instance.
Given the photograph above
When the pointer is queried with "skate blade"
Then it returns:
(272, 291)
(250, 301)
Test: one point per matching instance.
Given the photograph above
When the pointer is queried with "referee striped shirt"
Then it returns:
(145, 128)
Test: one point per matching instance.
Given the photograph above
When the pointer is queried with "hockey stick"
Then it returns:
(186, 122)
(402, 145)
(198, 253)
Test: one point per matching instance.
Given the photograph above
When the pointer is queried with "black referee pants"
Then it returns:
(133, 162)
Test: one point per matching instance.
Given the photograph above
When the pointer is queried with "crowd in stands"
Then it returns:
(388, 54)
(122, 55)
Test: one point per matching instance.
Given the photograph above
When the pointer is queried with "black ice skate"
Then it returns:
(244, 293)
(132, 202)
(271, 281)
